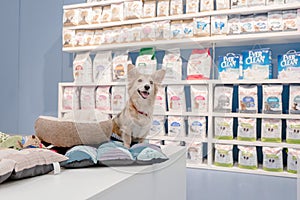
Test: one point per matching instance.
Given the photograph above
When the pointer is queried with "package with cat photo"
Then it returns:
(247, 157)
(157, 126)
(223, 155)
(293, 131)
(248, 99)
(194, 152)
(223, 128)
(272, 159)
(271, 130)
(246, 129)
(176, 126)
(272, 100)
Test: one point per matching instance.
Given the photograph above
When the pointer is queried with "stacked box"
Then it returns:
(229, 67)
(289, 66)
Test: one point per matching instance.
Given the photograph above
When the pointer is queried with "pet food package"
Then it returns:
(88, 38)
(85, 16)
(135, 33)
(133, 9)
(118, 100)
(82, 68)
(234, 24)
(96, 14)
(222, 4)
(199, 65)
(292, 163)
(160, 101)
(289, 65)
(187, 26)
(199, 98)
(172, 63)
(219, 25)
(70, 98)
(70, 17)
(192, 6)
(272, 100)
(256, 3)
(163, 30)
(120, 62)
(69, 38)
(247, 23)
(194, 153)
(106, 14)
(272, 159)
(146, 62)
(274, 2)
(275, 22)
(229, 67)
(196, 127)
(238, 3)
(246, 129)
(158, 126)
(293, 131)
(247, 157)
(102, 67)
(117, 12)
(248, 99)
(176, 7)
(224, 128)
(97, 39)
(79, 37)
(271, 130)
(163, 8)
(294, 100)
(176, 99)
(223, 98)
(149, 9)
(206, 5)
(176, 126)
(177, 29)
(289, 18)
(257, 64)
(223, 155)
(202, 26)
(148, 31)
(103, 98)
(260, 22)
(87, 98)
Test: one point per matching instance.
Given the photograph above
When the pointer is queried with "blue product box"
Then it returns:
(289, 66)
(229, 67)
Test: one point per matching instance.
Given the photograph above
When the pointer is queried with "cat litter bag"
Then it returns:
(87, 98)
(157, 126)
(246, 129)
(102, 67)
(176, 126)
(224, 128)
(271, 130)
(248, 99)
(118, 94)
(247, 157)
(223, 98)
(196, 127)
(146, 62)
(272, 101)
(293, 155)
(172, 63)
(294, 101)
(120, 63)
(71, 98)
(103, 98)
(199, 65)
(160, 101)
(293, 131)
(257, 64)
(82, 68)
(223, 155)
(272, 159)
(199, 98)
(229, 67)
(194, 153)
(176, 99)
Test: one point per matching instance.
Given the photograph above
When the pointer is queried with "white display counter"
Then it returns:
(166, 180)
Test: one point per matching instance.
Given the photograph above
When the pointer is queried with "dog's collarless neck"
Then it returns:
(140, 112)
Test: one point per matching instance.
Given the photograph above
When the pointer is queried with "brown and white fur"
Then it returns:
(134, 122)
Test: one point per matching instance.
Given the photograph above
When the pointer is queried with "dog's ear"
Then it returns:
(159, 75)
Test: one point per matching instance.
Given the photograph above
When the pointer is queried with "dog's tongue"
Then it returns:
(145, 94)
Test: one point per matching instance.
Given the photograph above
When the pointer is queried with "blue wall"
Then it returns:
(33, 65)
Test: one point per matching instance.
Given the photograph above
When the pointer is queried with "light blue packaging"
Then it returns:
(229, 67)
(289, 66)
(257, 64)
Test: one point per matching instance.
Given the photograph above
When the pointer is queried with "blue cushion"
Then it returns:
(81, 156)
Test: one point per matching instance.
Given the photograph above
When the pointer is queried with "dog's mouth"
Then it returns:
(144, 94)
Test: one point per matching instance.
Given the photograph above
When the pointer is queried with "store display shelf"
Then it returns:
(253, 10)
(179, 138)
(200, 42)
(257, 115)
(256, 143)
(95, 111)
(187, 82)
(256, 82)
(183, 113)
(72, 84)
(87, 5)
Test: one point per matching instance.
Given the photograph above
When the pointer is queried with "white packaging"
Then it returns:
(192, 6)
(271, 130)
(133, 9)
(70, 17)
(176, 126)
(294, 100)
(160, 101)
(289, 18)
(219, 25)
(88, 38)
(247, 157)
(135, 33)
(146, 62)
(293, 131)
(272, 100)
(120, 62)
(202, 26)
(260, 23)
(148, 31)
(176, 99)
(206, 5)
(163, 30)
(87, 98)
(70, 98)
(234, 24)
(223, 155)
(194, 153)
(177, 29)
(106, 14)
(82, 68)
(247, 23)
(102, 67)
(272, 159)
(97, 39)
(274, 2)
(199, 98)
(229, 67)
(149, 9)
(187, 26)
(118, 100)
(199, 65)
(163, 8)
(247, 99)
(222, 4)
(275, 22)
(223, 98)
(85, 16)
(96, 13)
(223, 128)
(238, 3)
(69, 38)
(158, 126)
(103, 98)
(196, 127)
(176, 7)
(172, 63)
(117, 12)
(79, 37)
(292, 160)
(246, 129)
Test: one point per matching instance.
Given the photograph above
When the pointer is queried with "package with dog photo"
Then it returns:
(120, 62)
(293, 131)
(118, 100)
(176, 99)
(172, 63)
(103, 98)
(102, 67)
(146, 62)
(157, 126)
(199, 98)
(160, 101)
(272, 159)
(294, 100)
(248, 99)
(196, 127)
(176, 126)
(71, 98)
(87, 98)
(82, 68)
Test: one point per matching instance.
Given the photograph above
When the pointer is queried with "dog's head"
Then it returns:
(143, 86)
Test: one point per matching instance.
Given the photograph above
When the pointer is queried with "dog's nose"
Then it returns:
(147, 87)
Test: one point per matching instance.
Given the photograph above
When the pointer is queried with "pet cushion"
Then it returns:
(3, 137)
(80, 156)
(114, 154)
(12, 142)
(6, 168)
(147, 154)
(33, 162)
(69, 133)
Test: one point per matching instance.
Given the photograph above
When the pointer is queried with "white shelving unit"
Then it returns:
(187, 43)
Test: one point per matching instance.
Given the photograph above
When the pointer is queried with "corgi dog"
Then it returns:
(133, 123)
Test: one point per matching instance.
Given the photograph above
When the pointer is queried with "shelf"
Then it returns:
(256, 143)
(72, 84)
(257, 115)
(200, 42)
(168, 138)
(256, 82)
(87, 5)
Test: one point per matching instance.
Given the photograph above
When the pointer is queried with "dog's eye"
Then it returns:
(140, 80)
(151, 82)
